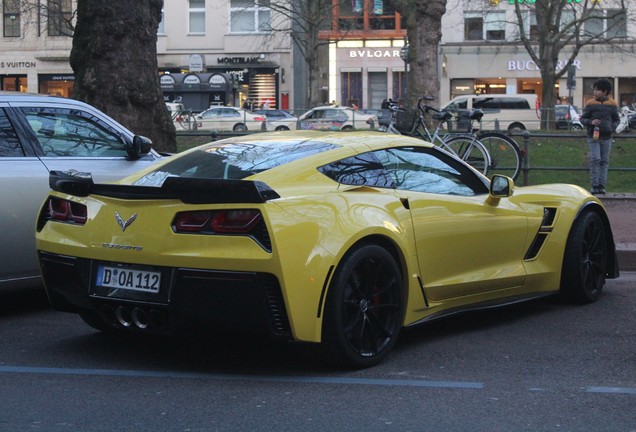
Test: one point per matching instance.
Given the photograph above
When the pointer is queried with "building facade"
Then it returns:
(227, 52)
(208, 51)
(480, 51)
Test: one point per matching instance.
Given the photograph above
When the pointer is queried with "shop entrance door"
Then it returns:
(377, 89)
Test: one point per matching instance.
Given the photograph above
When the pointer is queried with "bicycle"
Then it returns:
(488, 152)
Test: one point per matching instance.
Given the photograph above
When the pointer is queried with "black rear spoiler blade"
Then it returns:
(188, 190)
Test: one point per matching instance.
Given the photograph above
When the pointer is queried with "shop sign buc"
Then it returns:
(530, 65)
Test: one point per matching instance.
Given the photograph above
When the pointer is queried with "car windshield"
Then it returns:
(233, 160)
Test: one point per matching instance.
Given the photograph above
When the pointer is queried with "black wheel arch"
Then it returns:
(612, 259)
(390, 247)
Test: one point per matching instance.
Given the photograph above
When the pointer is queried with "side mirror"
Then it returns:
(500, 187)
(139, 146)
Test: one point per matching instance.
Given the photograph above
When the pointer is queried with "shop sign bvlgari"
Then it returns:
(374, 53)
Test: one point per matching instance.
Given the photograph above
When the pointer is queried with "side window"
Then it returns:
(9, 143)
(64, 132)
(431, 171)
(514, 103)
(360, 170)
(457, 105)
(488, 103)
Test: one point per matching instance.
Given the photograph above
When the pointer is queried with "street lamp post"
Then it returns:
(404, 55)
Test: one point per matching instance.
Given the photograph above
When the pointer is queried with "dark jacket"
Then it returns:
(604, 109)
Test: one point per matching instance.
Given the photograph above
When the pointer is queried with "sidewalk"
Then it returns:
(621, 210)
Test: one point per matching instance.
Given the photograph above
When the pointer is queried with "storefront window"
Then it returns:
(627, 88)
(351, 89)
(15, 83)
(57, 85)
(399, 86)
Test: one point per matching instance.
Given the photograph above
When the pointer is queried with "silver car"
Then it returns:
(39, 134)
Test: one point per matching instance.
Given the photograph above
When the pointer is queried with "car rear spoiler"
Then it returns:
(188, 190)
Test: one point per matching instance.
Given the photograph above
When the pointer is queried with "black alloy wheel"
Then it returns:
(585, 259)
(365, 308)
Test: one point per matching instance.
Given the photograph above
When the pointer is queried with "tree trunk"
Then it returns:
(424, 29)
(114, 58)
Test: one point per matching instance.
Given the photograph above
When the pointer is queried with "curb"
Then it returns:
(626, 256)
(626, 251)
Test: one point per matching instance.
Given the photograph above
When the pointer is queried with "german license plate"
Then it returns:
(128, 278)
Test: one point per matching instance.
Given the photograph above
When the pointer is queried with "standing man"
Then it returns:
(600, 116)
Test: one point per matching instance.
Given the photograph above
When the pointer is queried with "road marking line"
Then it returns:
(616, 390)
(238, 377)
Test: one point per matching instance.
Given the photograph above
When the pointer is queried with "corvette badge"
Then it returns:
(124, 224)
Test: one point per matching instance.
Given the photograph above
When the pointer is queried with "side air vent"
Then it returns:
(547, 223)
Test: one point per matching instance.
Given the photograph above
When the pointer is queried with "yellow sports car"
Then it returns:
(334, 238)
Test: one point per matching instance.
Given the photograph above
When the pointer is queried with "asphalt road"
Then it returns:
(539, 366)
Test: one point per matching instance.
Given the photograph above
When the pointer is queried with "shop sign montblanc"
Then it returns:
(238, 60)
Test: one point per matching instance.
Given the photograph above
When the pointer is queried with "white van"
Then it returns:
(511, 112)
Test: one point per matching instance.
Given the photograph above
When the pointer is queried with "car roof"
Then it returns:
(361, 141)
(10, 96)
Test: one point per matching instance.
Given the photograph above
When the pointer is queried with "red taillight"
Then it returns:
(217, 222)
(192, 221)
(235, 221)
(260, 119)
(67, 211)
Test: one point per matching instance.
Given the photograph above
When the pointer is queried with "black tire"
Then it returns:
(239, 127)
(585, 259)
(364, 311)
(347, 129)
(505, 154)
(471, 151)
(516, 128)
(282, 128)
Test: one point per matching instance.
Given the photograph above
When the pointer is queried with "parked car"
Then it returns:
(334, 238)
(384, 116)
(222, 118)
(44, 133)
(337, 118)
(278, 119)
(567, 117)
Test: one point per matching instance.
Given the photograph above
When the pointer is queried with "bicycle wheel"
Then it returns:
(471, 151)
(505, 155)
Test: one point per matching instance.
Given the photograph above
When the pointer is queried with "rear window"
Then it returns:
(233, 160)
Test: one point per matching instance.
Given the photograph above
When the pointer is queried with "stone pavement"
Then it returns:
(621, 210)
